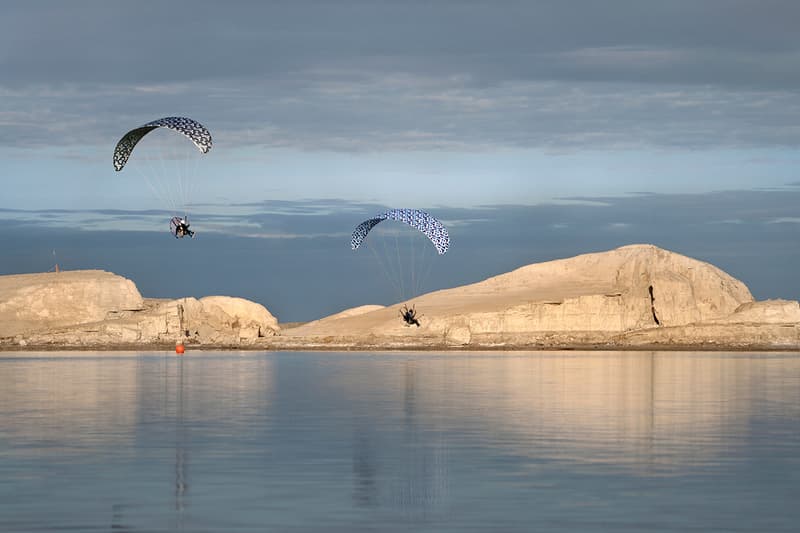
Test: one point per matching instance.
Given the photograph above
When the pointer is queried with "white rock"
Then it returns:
(605, 292)
(30, 302)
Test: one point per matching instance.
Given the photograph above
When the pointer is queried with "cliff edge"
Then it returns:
(93, 308)
(637, 296)
(632, 296)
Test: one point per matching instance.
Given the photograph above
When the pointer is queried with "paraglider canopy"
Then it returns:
(193, 130)
(405, 266)
(416, 218)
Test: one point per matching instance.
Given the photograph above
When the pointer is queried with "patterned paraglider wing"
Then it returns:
(196, 132)
(415, 218)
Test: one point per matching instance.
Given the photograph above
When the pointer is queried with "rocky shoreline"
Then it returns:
(637, 297)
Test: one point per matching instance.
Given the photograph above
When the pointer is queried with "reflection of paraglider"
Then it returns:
(409, 471)
(169, 162)
(408, 265)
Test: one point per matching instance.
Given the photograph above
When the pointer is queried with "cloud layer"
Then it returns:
(356, 76)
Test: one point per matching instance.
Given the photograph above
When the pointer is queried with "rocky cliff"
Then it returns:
(37, 302)
(633, 296)
(637, 296)
(94, 308)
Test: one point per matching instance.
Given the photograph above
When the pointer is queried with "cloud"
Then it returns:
(337, 217)
(754, 42)
(382, 76)
(430, 114)
(785, 220)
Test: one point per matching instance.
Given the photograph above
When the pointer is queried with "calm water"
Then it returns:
(400, 442)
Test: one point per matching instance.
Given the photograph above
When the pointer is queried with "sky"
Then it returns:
(534, 130)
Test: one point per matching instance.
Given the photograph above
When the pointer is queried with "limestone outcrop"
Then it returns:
(226, 320)
(36, 302)
(637, 296)
(595, 299)
(765, 312)
(96, 308)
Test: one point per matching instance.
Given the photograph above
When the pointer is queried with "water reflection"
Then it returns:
(412, 476)
(558, 441)
(424, 484)
(630, 409)
(181, 446)
(90, 403)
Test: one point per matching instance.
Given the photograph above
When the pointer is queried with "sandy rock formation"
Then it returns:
(96, 308)
(353, 311)
(628, 288)
(36, 302)
(590, 299)
(213, 320)
(765, 312)
(637, 296)
(224, 319)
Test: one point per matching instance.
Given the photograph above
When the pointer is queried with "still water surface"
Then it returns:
(568, 441)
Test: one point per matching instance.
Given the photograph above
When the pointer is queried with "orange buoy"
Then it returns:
(179, 349)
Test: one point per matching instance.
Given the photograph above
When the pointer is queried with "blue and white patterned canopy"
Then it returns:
(415, 218)
(196, 132)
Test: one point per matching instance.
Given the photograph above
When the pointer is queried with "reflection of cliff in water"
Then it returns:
(86, 403)
(409, 472)
(93, 403)
(657, 411)
(174, 386)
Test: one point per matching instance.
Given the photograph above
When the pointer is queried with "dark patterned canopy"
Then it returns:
(196, 132)
(415, 218)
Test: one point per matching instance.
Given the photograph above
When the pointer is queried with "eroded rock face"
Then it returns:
(218, 320)
(765, 312)
(244, 319)
(629, 288)
(681, 290)
(30, 302)
(92, 307)
(634, 296)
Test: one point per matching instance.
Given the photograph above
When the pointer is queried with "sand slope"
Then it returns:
(597, 298)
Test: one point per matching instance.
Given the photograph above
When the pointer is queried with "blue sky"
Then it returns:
(594, 124)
